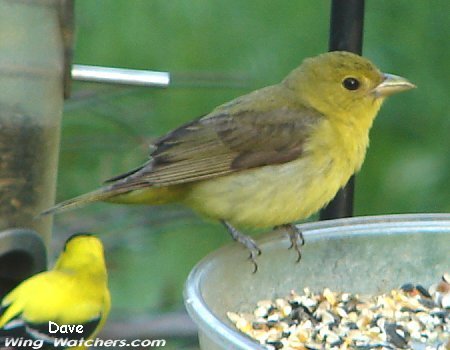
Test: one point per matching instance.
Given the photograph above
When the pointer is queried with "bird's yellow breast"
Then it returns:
(280, 194)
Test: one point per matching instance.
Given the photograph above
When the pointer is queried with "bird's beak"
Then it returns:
(391, 85)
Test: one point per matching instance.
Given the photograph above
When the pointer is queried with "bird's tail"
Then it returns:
(122, 193)
(101, 194)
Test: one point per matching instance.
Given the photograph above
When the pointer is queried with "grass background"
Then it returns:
(217, 50)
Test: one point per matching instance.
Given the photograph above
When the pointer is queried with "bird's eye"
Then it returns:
(351, 83)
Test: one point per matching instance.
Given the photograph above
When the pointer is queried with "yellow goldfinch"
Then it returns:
(74, 293)
(268, 158)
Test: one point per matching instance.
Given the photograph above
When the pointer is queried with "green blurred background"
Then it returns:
(217, 50)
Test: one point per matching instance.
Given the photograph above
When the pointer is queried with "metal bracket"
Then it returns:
(127, 76)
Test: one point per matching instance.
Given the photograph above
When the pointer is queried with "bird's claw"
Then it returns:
(296, 238)
(247, 242)
(254, 251)
(294, 244)
(252, 257)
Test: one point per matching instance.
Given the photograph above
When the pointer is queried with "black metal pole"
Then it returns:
(346, 34)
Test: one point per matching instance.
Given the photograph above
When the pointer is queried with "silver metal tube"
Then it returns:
(120, 76)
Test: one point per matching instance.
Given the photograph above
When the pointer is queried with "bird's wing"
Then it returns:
(20, 316)
(224, 142)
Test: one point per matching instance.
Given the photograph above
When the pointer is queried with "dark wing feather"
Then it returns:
(222, 143)
(19, 328)
(125, 175)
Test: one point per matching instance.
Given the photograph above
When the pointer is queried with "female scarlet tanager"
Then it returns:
(75, 292)
(268, 158)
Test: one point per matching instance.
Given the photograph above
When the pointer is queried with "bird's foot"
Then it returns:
(295, 237)
(246, 241)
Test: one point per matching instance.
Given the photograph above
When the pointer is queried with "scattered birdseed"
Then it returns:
(411, 317)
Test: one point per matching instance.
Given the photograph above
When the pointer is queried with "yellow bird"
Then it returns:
(52, 305)
(268, 158)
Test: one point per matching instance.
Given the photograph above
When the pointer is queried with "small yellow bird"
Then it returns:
(268, 158)
(54, 304)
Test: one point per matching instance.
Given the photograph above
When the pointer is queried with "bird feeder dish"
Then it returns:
(365, 255)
